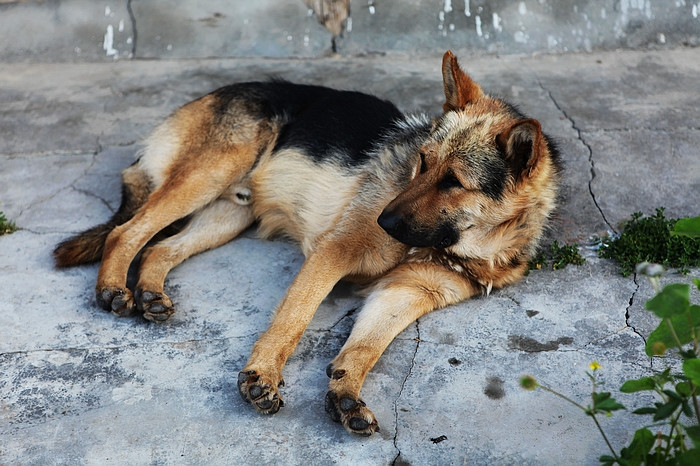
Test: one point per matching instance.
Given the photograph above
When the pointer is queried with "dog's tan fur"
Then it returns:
(221, 171)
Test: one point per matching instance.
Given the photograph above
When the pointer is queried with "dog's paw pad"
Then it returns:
(259, 391)
(119, 301)
(156, 306)
(352, 413)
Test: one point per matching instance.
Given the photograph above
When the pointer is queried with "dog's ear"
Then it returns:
(523, 146)
(460, 90)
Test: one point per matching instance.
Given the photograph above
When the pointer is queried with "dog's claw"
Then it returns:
(116, 300)
(156, 306)
(254, 389)
(352, 413)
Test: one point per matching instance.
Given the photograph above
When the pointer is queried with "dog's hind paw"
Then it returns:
(117, 300)
(352, 413)
(156, 306)
(259, 391)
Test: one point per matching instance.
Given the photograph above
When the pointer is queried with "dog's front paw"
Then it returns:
(261, 391)
(156, 306)
(352, 413)
(117, 300)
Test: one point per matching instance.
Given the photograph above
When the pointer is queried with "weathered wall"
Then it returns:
(88, 30)
(526, 26)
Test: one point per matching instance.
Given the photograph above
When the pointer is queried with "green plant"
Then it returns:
(673, 436)
(6, 227)
(565, 255)
(561, 256)
(650, 239)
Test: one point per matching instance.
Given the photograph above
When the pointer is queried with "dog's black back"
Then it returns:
(324, 123)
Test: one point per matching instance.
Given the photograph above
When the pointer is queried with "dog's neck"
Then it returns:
(486, 274)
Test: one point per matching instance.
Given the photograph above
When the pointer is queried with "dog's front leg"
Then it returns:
(402, 296)
(258, 382)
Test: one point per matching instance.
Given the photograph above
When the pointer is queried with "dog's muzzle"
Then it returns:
(410, 233)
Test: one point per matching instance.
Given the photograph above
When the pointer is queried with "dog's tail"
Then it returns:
(87, 247)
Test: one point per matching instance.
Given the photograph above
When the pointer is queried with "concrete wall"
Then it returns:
(89, 30)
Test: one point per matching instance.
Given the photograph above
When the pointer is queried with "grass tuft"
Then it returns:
(6, 227)
(649, 239)
(561, 256)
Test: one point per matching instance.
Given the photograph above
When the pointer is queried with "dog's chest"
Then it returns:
(295, 196)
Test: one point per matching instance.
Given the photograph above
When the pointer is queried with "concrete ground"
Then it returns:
(80, 386)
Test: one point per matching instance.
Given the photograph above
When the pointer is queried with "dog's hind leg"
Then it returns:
(408, 292)
(193, 157)
(201, 183)
(212, 226)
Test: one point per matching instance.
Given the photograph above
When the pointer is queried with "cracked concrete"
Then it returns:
(81, 386)
(417, 339)
(590, 156)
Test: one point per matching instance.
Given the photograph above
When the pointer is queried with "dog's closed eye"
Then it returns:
(449, 181)
(423, 166)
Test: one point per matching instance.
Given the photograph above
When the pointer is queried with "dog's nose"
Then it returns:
(389, 220)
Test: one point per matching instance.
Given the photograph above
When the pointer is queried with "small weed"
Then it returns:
(561, 256)
(565, 255)
(537, 262)
(649, 239)
(6, 227)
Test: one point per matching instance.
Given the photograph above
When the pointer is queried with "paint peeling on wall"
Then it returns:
(529, 25)
(80, 30)
(109, 41)
(108, 44)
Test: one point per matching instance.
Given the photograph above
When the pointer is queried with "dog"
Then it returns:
(426, 212)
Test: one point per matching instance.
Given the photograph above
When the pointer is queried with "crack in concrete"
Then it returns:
(347, 314)
(511, 298)
(627, 309)
(132, 17)
(91, 194)
(650, 129)
(85, 172)
(53, 194)
(128, 345)
(418, 341)
(588, 148)
(46, 153)
(596, 341)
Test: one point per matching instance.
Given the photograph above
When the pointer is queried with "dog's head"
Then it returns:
(483, 181)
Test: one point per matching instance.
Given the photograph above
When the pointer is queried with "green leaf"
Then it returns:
(637, 451)
(694, 434)
(697, 282)
(666, 410)
(674, 299)
(673, 395)
(683, 389)
(645, 410)
(604, 402)
(638, 385)
(663, 335)
(687, 227)
(664, 377)
(691, 369)
(687, 410)
(689, 458)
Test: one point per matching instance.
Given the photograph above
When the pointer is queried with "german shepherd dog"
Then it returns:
(427, 212)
